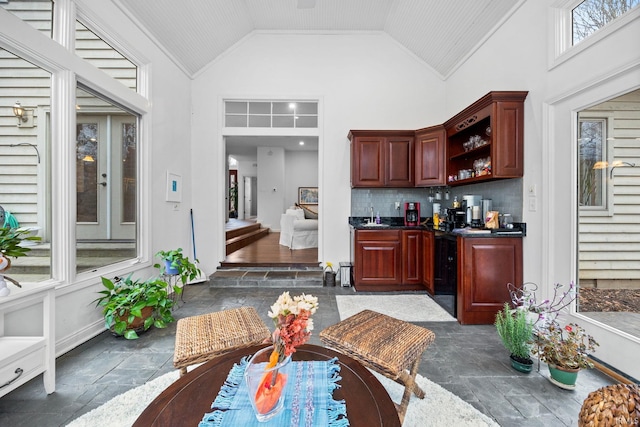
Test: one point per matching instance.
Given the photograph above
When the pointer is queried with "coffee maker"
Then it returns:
(456, 217)
(472, 204)
(412, 214)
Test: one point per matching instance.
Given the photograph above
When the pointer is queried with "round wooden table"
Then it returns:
(185, 402)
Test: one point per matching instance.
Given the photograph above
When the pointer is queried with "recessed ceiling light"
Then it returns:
(301, 142)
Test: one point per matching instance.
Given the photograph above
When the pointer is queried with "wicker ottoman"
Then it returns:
(384, 344)
(201, 338)
(613, 405)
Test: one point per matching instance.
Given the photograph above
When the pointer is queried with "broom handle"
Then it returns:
(193, 236)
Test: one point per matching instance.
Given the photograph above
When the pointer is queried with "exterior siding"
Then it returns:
(610, 245)
(22, 178)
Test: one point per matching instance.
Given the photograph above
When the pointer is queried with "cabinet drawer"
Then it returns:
(378, 235)
(20, 353)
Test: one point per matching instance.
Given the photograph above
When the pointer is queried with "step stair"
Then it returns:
(267, 277)
(238, 238)
(36, 266)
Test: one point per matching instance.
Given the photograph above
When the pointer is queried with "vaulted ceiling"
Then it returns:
(442, 33)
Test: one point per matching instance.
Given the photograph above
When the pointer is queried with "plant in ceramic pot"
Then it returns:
(178, 264)
(516, 332)
(565, 350)
(11, 240)
(132, 306)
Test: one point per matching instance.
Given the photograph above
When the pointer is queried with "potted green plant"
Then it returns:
(10, 246)
(132, 306)
(565, 351)
(178, 264)
(516, 332)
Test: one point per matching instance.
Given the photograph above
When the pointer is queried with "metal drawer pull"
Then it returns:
(18, 372)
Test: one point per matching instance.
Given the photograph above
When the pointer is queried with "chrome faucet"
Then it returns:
(371, 220)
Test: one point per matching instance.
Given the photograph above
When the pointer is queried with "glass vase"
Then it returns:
(266, 386)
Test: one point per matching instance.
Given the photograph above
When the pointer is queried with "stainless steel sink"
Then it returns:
(374, 225)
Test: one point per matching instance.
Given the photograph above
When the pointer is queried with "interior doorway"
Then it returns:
(301, 165)
(250, 199)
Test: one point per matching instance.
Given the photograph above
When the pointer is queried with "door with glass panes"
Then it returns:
(106, 177)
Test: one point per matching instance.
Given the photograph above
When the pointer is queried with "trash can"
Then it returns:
(345, 274)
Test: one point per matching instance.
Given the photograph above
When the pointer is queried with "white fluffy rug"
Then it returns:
(438, 408)
(407, 307)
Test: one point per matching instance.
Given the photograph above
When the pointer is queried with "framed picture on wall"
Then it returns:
(174, 187)
(307, 195)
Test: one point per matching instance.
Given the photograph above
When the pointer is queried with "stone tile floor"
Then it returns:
(469, 361)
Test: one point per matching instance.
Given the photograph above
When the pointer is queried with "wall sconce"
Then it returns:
(24, 115)
(619, 164)
(616, 164)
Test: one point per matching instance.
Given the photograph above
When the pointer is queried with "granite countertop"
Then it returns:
(395, 223)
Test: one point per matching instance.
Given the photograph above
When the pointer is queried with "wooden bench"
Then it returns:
(201, 338)
(384, 344)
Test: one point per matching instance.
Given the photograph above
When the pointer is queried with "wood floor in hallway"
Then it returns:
(269, 252)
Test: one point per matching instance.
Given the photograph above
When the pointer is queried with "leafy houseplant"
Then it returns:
(10, 240)
(565, 350)
(516, 332)
(132, 306)
(180, 264)
(567, 347)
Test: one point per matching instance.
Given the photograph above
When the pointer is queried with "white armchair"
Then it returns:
(296, 232)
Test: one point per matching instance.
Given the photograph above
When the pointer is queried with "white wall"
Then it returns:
(515, 58)
(271, 172)
(301, 171)
(362, 82)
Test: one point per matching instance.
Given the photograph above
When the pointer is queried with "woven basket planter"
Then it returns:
(614, 405)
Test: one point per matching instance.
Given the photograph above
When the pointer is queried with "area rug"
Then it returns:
(407, 307)
(439, 408)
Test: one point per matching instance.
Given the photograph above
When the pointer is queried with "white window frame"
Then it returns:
(606, 209)
(560, 26)
(57, 56)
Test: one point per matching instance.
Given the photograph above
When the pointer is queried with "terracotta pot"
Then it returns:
(3, 260)
(138, 323)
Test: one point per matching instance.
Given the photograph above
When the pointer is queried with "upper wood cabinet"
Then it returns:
(430, 156)
(485, 140)
(381, 158)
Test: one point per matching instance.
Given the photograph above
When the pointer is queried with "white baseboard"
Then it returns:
(70, 342)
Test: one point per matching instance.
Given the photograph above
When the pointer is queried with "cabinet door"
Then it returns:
(428, 259)
(399, 161)
(508, 122)
(367, 164)
(377, 259)
(430, 157)
(485, 266)
(411, 257)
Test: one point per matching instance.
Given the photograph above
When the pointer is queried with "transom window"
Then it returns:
(271, 114)
(591, 15)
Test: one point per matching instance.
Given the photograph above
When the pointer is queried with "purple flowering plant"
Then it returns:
(568, 346)
(547, 310)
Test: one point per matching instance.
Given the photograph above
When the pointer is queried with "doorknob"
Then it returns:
(104, 184)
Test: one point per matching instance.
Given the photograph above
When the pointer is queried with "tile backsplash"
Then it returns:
(506, 196)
